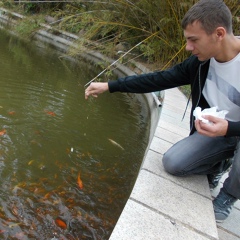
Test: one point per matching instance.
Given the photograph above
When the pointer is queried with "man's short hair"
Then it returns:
(211, 14)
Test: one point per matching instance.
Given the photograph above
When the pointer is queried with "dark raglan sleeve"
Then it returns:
(233, 129)
(155, 81)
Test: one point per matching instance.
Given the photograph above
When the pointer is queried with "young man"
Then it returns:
(213, 72)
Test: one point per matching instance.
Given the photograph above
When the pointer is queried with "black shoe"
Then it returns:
(222, 205)
(213, 179)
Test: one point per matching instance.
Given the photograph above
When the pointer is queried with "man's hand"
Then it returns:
(217, 127)
(96, 88)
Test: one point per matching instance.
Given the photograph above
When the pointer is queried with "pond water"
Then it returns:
(67, 165)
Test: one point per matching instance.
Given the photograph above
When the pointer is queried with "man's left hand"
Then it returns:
(217, 127)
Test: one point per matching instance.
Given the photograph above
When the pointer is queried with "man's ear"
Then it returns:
(220, 33)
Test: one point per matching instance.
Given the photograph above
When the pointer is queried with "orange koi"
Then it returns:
(60, 223)
(30, 162)
(50, 113)
(79, 182)
(2, 132)
(47, 195)
(11, 112)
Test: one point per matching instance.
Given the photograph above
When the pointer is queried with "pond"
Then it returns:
(67, 165)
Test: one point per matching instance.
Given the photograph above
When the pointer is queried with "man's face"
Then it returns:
(201, 44)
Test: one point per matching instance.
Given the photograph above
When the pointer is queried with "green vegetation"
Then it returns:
(28, 26)
(113, 27)
(148, 30)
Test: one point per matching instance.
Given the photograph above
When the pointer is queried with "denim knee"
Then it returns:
(171, 165)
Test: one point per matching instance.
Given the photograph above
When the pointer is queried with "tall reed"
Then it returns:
(115, 26)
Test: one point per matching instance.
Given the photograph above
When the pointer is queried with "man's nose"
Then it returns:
(189, 47)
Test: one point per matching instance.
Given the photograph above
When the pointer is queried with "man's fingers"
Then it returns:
(94, 89)
(90, 93)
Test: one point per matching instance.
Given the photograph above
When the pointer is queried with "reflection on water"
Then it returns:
(67, 166)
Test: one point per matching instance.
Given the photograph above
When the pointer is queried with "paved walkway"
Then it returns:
(164, 207)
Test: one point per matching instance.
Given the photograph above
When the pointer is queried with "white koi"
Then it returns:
(115, 143)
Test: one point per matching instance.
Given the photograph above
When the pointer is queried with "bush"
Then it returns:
(151, 29)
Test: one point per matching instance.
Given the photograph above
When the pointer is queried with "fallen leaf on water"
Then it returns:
(79, 181)
(3, 132)
(60, 223)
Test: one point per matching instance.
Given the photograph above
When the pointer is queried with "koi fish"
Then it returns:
(115, 143)
(79, 182)
(50, 113)
(14, 210)
(47, 195)
(2, 132)
(11, 112)
(13, 225)
(30, 162)
(60, 223)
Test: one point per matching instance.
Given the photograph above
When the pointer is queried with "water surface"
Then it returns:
(51, 139)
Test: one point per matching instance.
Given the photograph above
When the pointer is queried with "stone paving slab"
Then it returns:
(194, 183)
(182, 206)
(172, 120)
(175, 116)
(160, 145)
(142, 227)
(168, 136)
(223, 235)
(175, 128)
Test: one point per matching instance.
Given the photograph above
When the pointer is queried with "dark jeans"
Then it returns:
(198, 154)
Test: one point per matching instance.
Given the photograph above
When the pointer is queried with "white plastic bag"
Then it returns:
(198, 113)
